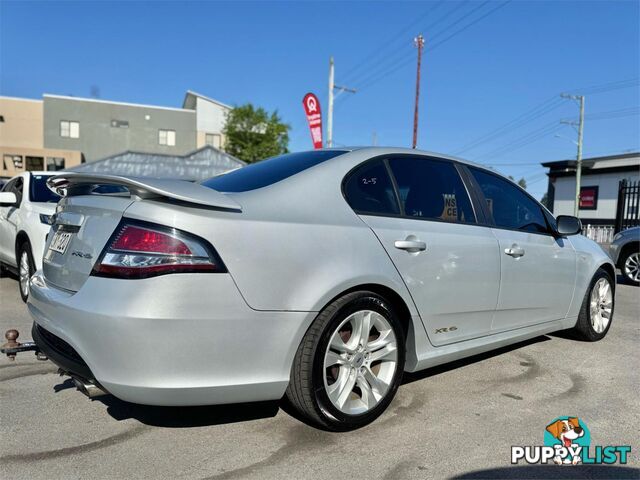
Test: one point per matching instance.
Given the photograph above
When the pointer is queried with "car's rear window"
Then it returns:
(39, 192)
(270, 171)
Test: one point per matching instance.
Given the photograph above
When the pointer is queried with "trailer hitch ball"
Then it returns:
(12, 337)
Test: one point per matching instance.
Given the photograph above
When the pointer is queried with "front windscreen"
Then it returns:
(39, 192)
(270, 171)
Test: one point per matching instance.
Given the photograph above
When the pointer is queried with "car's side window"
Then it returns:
(431, 189)
(368, 189)
(8, 187)
(511, 207)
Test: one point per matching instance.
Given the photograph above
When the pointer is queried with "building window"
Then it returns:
(119, 123)
(167, 137)
(213, 140)
(34, 164)
(69, 129)
(9, 159)
(55, 163)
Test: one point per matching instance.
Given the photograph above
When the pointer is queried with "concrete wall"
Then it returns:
(22, 125)
(99, 139)
(9, 168)
(211, 118)
(21, 138)
(565, 190)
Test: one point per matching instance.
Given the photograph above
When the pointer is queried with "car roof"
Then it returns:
(374, 151)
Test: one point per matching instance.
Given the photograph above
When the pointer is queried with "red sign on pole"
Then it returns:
(311, 106)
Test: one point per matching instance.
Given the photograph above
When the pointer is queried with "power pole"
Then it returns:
(330, 109)
(374, 138)
(580, 100)
(333, 86)
(419, 41)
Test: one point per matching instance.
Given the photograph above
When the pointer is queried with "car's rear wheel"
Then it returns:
(597, 308)
(630, 266)
(350, 363)
(26, 268)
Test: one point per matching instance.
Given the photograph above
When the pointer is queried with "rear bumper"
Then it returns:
(183, 339)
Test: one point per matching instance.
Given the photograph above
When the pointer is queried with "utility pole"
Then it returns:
(332, 87)
(419, 42)
(374, 138)
(580, 100)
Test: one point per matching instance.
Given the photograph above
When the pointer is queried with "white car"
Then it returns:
(26, 210)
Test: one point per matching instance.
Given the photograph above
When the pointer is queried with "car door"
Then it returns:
(420, 210)
(537, 269)
(8, 217)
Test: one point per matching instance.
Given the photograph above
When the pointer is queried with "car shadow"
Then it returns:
(410, 377)
(553, 471)
(200, 416)
(182, 417)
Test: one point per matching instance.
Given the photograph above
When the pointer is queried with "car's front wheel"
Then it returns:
(596, 314)
(350, 363)
(26, 268)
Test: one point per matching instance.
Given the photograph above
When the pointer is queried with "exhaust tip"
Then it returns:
(88, 388)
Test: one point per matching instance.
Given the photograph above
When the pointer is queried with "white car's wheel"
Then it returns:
(349, 364)
(26, 268)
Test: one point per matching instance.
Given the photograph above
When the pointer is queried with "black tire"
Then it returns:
(623, 260)
(306, 391)
(584, 329)
(25, 249)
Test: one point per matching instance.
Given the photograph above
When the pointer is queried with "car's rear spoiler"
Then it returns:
(72, 184)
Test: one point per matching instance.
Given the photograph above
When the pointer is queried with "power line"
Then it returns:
(400, 63)
(539, 110)
(525, 139)
(521, 120)
(400, 36)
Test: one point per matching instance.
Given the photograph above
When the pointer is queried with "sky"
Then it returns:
(492, 71)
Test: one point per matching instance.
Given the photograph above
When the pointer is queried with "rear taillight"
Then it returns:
(141, 250)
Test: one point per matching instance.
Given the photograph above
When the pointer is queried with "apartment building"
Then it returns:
(22, 145)
(63, 131)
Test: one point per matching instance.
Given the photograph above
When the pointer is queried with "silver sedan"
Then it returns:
(320, 276)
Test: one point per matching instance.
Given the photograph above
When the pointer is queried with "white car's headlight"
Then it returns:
(46, 219)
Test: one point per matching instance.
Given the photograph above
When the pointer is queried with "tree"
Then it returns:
(253, 134)
(522, 182)
(545, 201)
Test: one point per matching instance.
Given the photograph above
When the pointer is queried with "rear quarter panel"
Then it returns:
(295, 246)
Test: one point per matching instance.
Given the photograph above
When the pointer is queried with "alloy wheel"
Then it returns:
(601, 305)
(360, 362)
(24, 273)
(632, 267)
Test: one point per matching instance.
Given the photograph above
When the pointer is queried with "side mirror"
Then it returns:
(8, 199)
(567, 225)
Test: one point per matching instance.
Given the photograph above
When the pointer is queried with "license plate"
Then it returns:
(60, 242)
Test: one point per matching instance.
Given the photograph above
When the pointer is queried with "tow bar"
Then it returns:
(90, 388)
(13, 347)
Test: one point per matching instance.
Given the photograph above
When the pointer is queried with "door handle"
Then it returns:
(410, 245)
(515, 251)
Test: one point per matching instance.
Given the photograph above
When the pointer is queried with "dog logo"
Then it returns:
(567, 432)
(567, 441)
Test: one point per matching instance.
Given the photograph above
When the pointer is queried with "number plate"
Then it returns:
(60, 242)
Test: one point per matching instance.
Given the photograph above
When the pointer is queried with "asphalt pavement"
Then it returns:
(455, 421)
